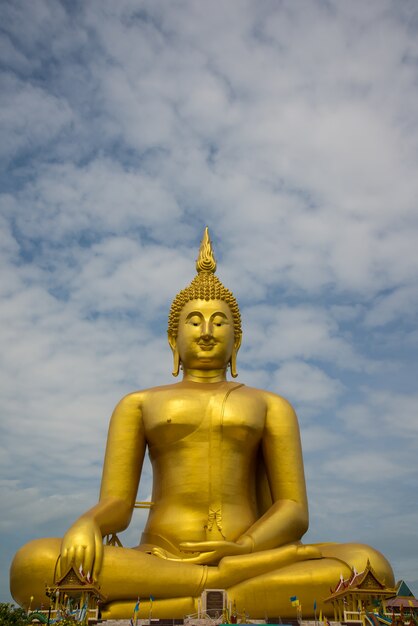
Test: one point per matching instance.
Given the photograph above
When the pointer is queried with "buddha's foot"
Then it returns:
(235, 569)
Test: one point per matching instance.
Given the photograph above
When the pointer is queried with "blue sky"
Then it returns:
(291, 129)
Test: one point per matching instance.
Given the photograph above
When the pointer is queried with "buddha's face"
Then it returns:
(205, 338)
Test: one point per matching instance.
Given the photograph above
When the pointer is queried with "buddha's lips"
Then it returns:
(206, 346)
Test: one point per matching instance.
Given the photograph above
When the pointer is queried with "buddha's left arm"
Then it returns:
(287, 519)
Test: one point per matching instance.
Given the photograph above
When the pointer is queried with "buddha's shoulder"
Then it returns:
(273, 401)
(270, 400)
(145, 395)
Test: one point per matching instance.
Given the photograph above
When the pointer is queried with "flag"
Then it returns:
(314, 605)
(411, 604)
(82, 613)
(151, 598)
(136, 609)
(294, 600)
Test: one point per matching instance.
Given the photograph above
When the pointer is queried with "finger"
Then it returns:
(63, 563)
(162, 554)
(64, 557)
(205, 558)
(200, 559)
(89, 558)
(70, 555)
(167, 556)
(201, 546)
(98, 556)
(79, 557)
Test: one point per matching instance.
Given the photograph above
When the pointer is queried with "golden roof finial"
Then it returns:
(206, 261)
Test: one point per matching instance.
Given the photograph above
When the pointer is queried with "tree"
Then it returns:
(11, 615)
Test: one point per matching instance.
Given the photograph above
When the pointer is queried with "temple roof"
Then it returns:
(71, 577)
(404, 597)
(401, 601)
(361, 582)
(76, 581)
(403, 590)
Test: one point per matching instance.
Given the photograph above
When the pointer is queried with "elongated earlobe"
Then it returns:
(176, 362)
(176, 357)
(233, 363)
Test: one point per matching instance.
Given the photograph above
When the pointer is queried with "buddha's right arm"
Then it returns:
(125, 449)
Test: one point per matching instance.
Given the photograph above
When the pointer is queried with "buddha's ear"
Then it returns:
(233, 361)
(237, 342)
(172, 340)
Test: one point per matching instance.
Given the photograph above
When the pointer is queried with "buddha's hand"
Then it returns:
(82, 548)
(208, 552)
(212, 552)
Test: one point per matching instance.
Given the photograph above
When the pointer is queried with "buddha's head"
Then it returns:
(204, 325)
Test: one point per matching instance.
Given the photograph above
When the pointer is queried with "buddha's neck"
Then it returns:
(204, 376)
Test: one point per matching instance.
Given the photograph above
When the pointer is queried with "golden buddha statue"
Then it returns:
(229, 497)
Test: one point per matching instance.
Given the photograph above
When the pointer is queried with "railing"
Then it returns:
(55, 615)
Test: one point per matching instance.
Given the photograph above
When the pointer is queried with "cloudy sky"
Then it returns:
(291, 129)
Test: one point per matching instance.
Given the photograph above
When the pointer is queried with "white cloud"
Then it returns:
(31, 503)
(319, 438)
(365, 467)
(307, 385)
(402, 302)
(383, 413)
(30, 116)
(281, 333)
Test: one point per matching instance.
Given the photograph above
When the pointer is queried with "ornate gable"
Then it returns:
(369, 580)
(71, 578)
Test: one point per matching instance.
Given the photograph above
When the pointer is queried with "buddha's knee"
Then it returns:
(32, 569)
(358, 555)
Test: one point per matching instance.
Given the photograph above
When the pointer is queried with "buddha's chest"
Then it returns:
(203, 416)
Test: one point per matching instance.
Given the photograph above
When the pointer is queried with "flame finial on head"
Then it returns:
(206, 261)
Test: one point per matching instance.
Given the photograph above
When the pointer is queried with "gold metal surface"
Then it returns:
(229, 504)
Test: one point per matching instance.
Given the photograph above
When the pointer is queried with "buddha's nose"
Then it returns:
(206, 330)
